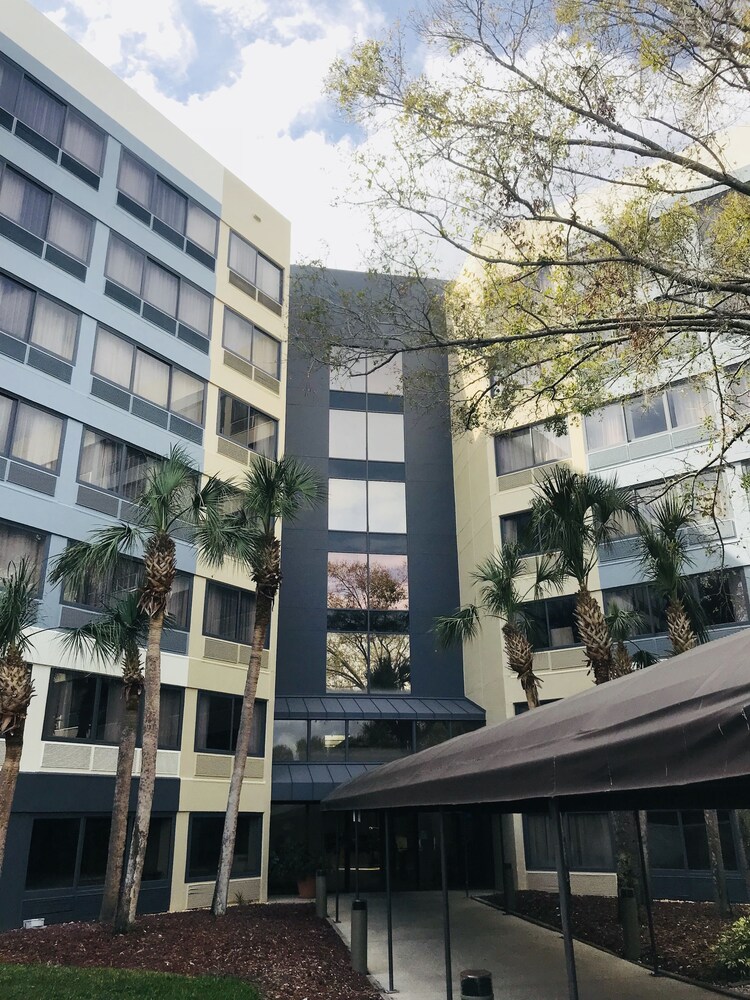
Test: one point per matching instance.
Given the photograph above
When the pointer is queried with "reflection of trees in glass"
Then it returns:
(348, 585)
(390, 665)
(346, 661)
(379, 739)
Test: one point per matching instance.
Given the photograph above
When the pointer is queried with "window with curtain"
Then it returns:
(241, 337)
(10, 82)
(121, 362)
(16, 306)
(166, 202)
(83, 141)
(218, 722)
(527, 447)
(228, 613)
(40, 110)
(17, 543)
(35, 435)
(160, 288)
(31, 316)
(24, 202)
(124, 264)
(588, 839)
(194, 308)
(688, 405)
(113, 465)
(517, 529)
(250, 264)
(605, 428)
(644, 417)
(70, 230)
(246, 426)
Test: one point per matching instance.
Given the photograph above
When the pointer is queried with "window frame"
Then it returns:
(191, 879)
(251, 409)
(37, 294)
(621, 404)
(253, 280)
(236, 705)
(45, 535)
(529, 429)
(6, 449)
(241, 591)
(124, 446)
(170, 365)
(253, 328)
(545, 602)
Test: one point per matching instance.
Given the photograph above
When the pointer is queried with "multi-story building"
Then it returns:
(142, 306)
(360, 679)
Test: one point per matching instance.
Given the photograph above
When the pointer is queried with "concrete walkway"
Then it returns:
(526, 961)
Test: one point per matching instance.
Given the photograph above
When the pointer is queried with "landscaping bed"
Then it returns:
(283, 949)
(685, 931)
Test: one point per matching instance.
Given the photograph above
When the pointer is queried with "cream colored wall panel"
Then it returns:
(210, 795)
(66, 756)
(581, 883)
(199, 895)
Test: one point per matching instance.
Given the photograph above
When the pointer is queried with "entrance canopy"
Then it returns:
(674, 735)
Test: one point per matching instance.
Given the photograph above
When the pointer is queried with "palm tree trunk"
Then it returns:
(8, 782)
(520, 655)
(681, 633)
(716, 857)
(151, 693)
(594, 632)
(120, 806)
(263, 608)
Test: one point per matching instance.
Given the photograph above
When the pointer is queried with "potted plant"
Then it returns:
(295, 863)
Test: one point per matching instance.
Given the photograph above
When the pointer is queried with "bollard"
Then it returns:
(359, 935)
(509, 886)
(321, 895)
(476, 983)
(631, 929)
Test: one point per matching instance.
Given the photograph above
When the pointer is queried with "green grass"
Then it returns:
(19, 982)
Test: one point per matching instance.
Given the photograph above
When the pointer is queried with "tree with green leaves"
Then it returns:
(117, 636)
(580, 156)
(503, 597)
(271, 492)
(19, 612)
(575, 514)
(174, 504)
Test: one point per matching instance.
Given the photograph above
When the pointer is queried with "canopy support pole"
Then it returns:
(465, 839)
(645, 872)
(563, 884)
(388, 898)
(356, 853)
(339, 817)
(446, 912)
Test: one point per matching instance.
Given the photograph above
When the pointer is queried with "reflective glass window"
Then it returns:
(327, 740)
(52, 853)
(373, 740)
(290, 739)
(387, 507)
(347, 434)
(388, 583)
(644, 417)
(204, 845)
(390, 663)
(347, 505)
(385, 436)
(346, 661)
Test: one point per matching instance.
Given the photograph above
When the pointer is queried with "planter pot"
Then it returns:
(306, 887)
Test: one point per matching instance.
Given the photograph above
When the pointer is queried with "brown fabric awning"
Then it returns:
(676, 734)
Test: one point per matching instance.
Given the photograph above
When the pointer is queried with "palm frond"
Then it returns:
(623, 622)
(642, 658)
(122, 628)
(282, 489)
(498, 576)
(168, 496)
(664, 555)
(461, 626)
(96, 560)
(232, 536)
(19, 606)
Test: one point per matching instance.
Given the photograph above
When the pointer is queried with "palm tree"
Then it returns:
(664, 558)
(117, 635)
(575, 513)
(19, 612)
(173, 505)
(500, 597)
(270, 492)
(621, 623)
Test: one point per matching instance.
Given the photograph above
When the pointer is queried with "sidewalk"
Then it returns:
(526, 961)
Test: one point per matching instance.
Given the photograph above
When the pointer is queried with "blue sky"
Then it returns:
(244, 78)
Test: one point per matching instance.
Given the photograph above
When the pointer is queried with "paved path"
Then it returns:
(526, 961)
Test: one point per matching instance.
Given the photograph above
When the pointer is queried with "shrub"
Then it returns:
(732, 950)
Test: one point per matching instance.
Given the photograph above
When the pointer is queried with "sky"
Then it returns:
(244, 79)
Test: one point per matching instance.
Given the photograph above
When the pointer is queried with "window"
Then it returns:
(121, 362)
(229, 613)
(677, 840)
(588, 841)
(114, 466)
(248, 341)
(327, 740)
(37, 319)
(684, 405)
(356, 505)
(204, 846)
(160, 289)
(88, 708)
(359, 581)
(18, 543)
(378, 741)
(46, 216)
(251, 265)
(552, 623)
(528, 447)
(219, 722)
(360, 662)
(30, 434)
(373, 374)
(167, 203)
(246, 426)
(71, 852)
(517, 529)
(356, 434)
(95, 594)
(51, 119)
(290, 739)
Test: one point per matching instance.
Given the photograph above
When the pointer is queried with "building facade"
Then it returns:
(143, 294)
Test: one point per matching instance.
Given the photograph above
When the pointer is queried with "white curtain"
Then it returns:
(605, 428)
(238, 334)
(548, 445)
(10, 78)
(151, 379)
(195, 308)
(688, 406)
(6, 411)
(41, 111)
(113, 358)
(160, 288)
(187, 396)
(266, 351)
(262, 434)
(514, 451)
(268, 278)
(169, 205)
(15, 308)
(16, 544)
(100, 461)
(70, 230)
(124, 264)
(201, 227)
(83, 141)
(135, 179)
(54, 328)
(24, 203)
(37, 436)
(242, 257)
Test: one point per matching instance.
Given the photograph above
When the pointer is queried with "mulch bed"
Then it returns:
(685, 931)
(283, 949)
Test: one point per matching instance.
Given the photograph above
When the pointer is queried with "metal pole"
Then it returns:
(339, 817)
(356, 854)
(647, 893)
(465, 839)
(388, 899)
(446, 912)
(563, 883)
